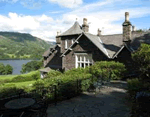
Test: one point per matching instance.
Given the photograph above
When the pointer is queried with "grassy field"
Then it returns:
(7, 77)
(17, 84)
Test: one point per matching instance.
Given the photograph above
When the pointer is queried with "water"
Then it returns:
(16, 64)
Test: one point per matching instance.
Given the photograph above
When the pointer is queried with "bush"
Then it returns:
(31, 66)
(27, 77)
(53, 73)
(4, 70)
(9, 90)
(108, 69)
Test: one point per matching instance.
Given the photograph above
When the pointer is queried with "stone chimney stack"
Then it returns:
(126, 28)
(133, 28)
(85, 26)
(98, 32)
(58, 39)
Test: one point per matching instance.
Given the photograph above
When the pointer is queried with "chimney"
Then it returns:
(98, 32)
(133, 28)
(85, 26)
(126, 28)
(58, 39)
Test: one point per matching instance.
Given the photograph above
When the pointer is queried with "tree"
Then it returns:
(8, 69)
(142, 59)
(2, 68)
(31, 66)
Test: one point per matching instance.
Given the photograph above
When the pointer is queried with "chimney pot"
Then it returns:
(126, 16)
(133, 28)
(58, 33)
(98, 32)
(85, 26)
(85, 21)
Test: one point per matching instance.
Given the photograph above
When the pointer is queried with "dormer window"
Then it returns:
(66, 44)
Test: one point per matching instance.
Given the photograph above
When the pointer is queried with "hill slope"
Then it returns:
(14, 45)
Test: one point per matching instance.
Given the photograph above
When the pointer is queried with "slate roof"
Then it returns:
(94, 39)
(47, 52)
(112, 43)
(97, 42)
(47, 69)
(138, 37)
(75, 29)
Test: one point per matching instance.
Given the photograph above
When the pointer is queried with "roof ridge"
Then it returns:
(111, 34)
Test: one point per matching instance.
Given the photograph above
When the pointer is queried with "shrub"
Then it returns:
(53, 73)
(9, 90)
(4, 70)
(31, 66)
(27, 77)
(108, 69)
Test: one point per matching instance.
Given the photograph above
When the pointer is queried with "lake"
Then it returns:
(16, 64)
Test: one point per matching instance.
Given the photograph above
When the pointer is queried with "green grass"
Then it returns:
(7, 77)
(20, 84)
(10, 77)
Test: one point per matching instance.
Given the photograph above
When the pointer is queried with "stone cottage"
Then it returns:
(76, 47)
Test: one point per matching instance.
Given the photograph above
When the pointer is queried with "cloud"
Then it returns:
(39, 25)
(67, 3)
(32, 4)
(106, 15)
(55, 12)
(9, 1)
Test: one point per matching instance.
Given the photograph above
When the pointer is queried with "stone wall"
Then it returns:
(84, 45)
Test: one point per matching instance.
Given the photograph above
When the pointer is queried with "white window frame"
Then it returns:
(66, 44)
(84, 56)
(72, 41)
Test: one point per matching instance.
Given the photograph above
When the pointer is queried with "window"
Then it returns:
(66, 44)
(72, 41)
(83, 60)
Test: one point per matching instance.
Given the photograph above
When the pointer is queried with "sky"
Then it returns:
(43, 18)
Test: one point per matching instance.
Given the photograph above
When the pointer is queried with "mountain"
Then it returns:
(14, 45)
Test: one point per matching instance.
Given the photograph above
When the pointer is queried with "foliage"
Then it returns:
(30, 77)
(31, 66)
(15, 45)
(8, 90)
(142, 59)
(53, 73)
(4, 70)
(108, 69)
(8, 69)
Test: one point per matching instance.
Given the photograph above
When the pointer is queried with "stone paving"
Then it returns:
(109, 102)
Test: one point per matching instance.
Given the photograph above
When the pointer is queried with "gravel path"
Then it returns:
(109, 102)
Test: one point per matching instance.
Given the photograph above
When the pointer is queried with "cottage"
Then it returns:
(76, 47)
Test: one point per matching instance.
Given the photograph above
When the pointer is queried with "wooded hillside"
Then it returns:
(14, 45)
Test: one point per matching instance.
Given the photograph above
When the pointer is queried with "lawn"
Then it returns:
(7, 77)
(20, 84)
(17, 84)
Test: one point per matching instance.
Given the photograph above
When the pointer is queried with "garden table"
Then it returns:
(20, 103)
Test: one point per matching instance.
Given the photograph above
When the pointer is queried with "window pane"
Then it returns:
(81, 58)
(82, 64)
(86, 64)
(78, 58)
(86, 59)
(78, 64)
(90, 64)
